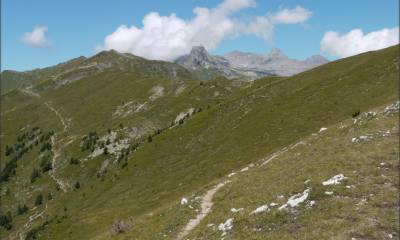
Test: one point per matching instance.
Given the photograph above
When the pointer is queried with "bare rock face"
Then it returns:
(199, 58)
(276, 61)
(248, 65)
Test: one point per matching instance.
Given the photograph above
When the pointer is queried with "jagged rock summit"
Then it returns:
(250, 65)
(275, 61)
(200, 58)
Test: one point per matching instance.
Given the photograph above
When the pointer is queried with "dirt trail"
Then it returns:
(206, 200)
(21, 234)
(62, 120)
(28, 91)
(56, 151)
(206, 205)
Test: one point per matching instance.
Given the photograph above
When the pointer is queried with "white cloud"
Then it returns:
(355, 42)
(261, 27)
(295, 15)
(168, 37)
(36, 38)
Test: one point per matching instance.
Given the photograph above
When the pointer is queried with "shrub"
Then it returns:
(5, 220)
(9, 169)
(9, 150)
(22, 209)
(45, 146)
(356, 113)
(134, 146)
(45, 165)
(73, 161)
(149, 139)
(105, 151)
(89, 141)
(35, 174)
(77, 185)
(39, 200)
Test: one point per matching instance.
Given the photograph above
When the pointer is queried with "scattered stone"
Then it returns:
(231, 174)
(226, 226)
(157, 92)
(359, 139)
(184, 201)
(329, 193)
(296, 199)
(322, 129)
(392, 108)
(263, 208)
(181, 116)
(334, 180)
(234, 210)
(311, 203)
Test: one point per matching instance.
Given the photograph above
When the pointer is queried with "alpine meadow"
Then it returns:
(182, 128)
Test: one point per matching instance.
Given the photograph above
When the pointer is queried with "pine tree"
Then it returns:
(39, 200)
(22, 209)
(35, 174)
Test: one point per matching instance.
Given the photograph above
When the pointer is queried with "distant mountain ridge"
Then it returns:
(251, 65)
(78, 68)
(206, 66)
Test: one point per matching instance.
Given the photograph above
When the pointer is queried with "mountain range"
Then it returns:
(233, 65)
(238, 64)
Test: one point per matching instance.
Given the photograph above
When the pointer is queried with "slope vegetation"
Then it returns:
(115, 192)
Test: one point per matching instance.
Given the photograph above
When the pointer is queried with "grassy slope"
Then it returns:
(367, 210)
(256, 121)
(224, 138)
(87, 105)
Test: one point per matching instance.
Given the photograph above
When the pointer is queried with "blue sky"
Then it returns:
(76, 28)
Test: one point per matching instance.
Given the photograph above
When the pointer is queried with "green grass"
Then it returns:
(322, 157)
(243, 123)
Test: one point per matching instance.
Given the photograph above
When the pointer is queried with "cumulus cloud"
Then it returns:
(355, 41)
(261, 27)
(168, 37)
(295, 15)
(36, 38)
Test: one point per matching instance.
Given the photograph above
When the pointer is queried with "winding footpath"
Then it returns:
(206, 200)
(206, 205)
(56, 152)
(21, 235)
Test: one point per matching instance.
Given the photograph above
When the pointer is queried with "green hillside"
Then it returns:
(114, 150)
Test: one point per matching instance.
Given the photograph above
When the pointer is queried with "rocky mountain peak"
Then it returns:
(199, 50)
(197, 58)
(276, 53)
